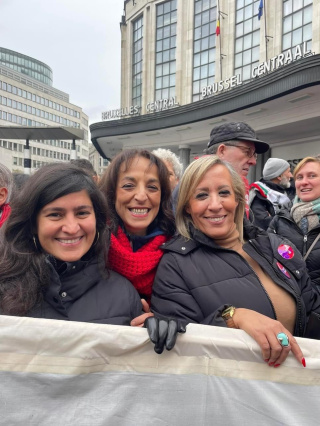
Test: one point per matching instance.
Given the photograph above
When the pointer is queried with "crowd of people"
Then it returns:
(148, 245)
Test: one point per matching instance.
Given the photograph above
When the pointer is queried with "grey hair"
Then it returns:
(171, 157)
(6, 180)
(190, 180)
(214, 148)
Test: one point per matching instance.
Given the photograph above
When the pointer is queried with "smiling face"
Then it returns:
(238, 156)
(138, 195)
(66, 227)
(212, 205)
(308, 182)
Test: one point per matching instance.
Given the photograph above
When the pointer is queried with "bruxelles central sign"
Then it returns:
(298, 52)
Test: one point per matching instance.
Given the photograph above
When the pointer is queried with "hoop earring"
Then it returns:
(35, 242)
(98, 235)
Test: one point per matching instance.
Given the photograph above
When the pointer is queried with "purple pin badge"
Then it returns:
(286, 251)
(283, 270)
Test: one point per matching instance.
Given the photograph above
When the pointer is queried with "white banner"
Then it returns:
(68, 373)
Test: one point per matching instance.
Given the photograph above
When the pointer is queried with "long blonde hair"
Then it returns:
(190, 180)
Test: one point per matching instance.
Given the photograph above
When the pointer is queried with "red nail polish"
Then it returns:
(271, 364)
(303, 362)
(266, 360)
(277, 365)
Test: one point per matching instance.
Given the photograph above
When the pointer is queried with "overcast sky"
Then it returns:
(79, 39)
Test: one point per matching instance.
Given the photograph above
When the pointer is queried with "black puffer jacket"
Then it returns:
(262, 209)
(79, 291)
(196, 279)
(284, 225)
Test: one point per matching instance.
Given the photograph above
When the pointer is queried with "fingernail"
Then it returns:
(277, 365)
(271, 364)
(266, 360)
(303, 362)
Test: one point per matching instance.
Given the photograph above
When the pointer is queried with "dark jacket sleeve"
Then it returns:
(263, 212)
(312, 304)
(171, 297)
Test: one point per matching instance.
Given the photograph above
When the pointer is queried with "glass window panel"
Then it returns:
(247, 41)
(165, 56)
(306, 2)
(307, 32)
(172, 54)
(197, 21)
(297, 20)
(246, 2)
(240, 3)
(212, 69)
(160, 21)
(173, 17)
(166, 19)
(256, 24)
(197, 33)
(239, 30)
(172, 67)
(166, 31)
(198, 7)
(172, 80)
(173, 41)
(239, 17)
(204, 57)
(173, 4)
(213, 14)
(287, 24)
(248, 12)
(247, 26)
(307, 15)
(239, 44)
(255, 54)
(205, 17)
(205, 30)
(166, 7)
(165, 93)
(247, 57)
(165, 81)
(238, 60)
(287, 7)
(158, 70)
(159, 46)
(165, 69)
(212, 55)
(196, 86)
(196, 73)
(297, 4)
(196, 60)
(166, 43)
(204, 71)
(286, 42)
(212, 41)
(297, 37)
(197, 46)
(205, 4)
(256, 38)
(205, 43)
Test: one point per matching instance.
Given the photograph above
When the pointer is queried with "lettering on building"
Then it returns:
(120, 113)
(162, 104)
(298, 52)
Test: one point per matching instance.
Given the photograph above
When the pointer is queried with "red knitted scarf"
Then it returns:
(138, 267)
(6, 209)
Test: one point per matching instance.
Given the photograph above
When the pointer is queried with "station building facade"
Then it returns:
(188, 65)
(27, 98)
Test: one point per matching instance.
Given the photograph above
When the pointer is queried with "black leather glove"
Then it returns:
(163, 333)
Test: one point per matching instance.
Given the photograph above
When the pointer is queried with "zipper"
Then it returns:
(297, 297)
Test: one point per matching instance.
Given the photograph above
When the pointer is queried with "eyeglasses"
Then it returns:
(250, 152)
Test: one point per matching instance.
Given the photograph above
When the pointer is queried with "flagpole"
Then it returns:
(265, 28)
(219, 39)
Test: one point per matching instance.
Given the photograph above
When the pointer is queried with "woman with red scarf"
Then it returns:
(136, 185)
(6, 183)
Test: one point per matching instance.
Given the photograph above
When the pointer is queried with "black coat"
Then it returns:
(197, 279)
(262, 209)
(82, 292)
(284, 225)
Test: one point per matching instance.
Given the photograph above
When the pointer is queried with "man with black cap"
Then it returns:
(269, 195)
(237, 144)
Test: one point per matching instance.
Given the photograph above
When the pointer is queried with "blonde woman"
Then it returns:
(219, 271)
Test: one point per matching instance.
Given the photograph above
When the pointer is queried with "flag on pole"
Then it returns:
(260, 12)
(218, 27)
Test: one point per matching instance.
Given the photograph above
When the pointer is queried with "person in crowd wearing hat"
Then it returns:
(6, 185)
(269, 195)
(237, 144)
(173, 164)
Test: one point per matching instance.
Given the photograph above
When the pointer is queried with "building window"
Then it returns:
(204, 45)
(247, 40)
(297, 23)
(137, 62)
(166, 50)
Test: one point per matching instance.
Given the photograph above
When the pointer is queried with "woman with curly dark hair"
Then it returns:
(137, 189)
